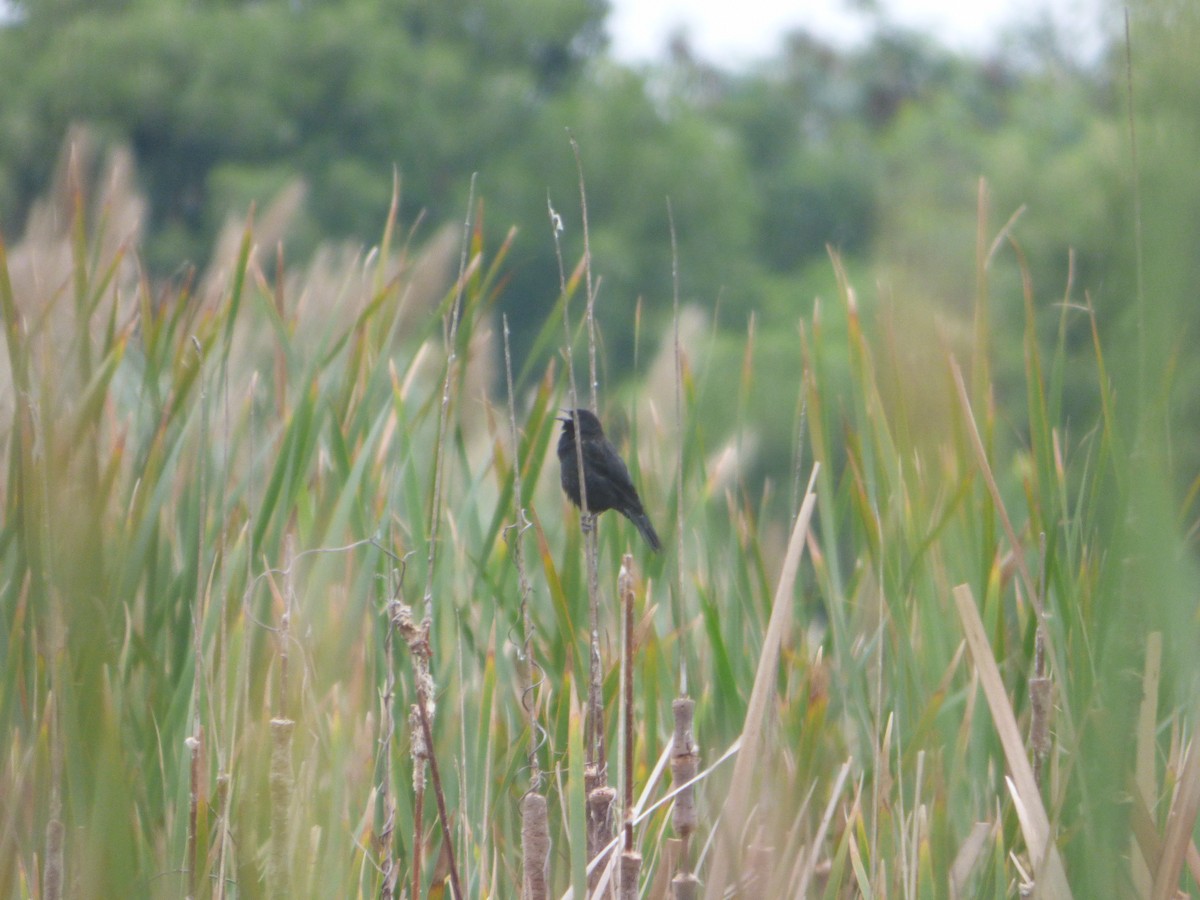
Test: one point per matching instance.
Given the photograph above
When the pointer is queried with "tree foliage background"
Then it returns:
(875, 152)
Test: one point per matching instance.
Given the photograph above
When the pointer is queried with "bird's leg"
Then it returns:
(587, 521)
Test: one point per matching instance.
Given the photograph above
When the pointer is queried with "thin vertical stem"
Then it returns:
(1139, 267)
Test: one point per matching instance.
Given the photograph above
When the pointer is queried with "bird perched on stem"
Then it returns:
(606, 479)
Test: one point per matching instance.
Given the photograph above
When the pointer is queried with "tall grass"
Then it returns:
(216, 495)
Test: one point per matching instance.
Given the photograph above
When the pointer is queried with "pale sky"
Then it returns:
(732, 32)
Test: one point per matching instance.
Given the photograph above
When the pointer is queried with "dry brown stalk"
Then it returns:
(685, 758)
(968, 856)
(685, 886)
(1181, 820)
(535, 825)
(1145, 777)
(1041, 703)
(600, 797)
(599, 827)
(631, 861)
(52, 871)
(524, 588)
(535, 846)
(1031, 812)
(388, 866)
(420, 755)
(440, 797)
(401, 614)
(685, 764)
(1040, 687)
(748, 761)
(594, 724)
(221, 811)
(416, 636)
(195, 747)
(625, 590)
(1018, 555)
(195, 741)
(628, 871)
(278, 880)
(281, 781)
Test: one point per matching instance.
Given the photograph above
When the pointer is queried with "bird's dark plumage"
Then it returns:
(606, 478)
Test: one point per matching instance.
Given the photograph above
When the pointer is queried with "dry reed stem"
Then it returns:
(685, 763)
(812, 865)
(625, 591)
(440, 797)
(591, 288)
(630, 864)
(685, 758)
(1144, 776)
(1041, 704)
(535, 825)
(1041, 699)
(600, 802)
(388, 865)
(685, 886)
(417, 636)
(594, 712)
(748, 761)
(967, 857)
(524, 589)
(1002, 511)
(628, 871)
(195, 741)
(1180, 822)
(677, 353)
(599, 796)
(195, 748)
(597, 768)
(52, 871)
(221, 810)
(419, 753)
(451, 342)
(278, 874)
(1139, 267)
(281, 780)
(1035, 824)
(535, 847)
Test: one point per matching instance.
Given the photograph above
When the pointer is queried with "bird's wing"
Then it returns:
(616, 473)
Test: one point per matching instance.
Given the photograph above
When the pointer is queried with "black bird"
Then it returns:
(607, 480)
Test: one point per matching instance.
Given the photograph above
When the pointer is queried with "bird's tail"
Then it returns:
(642, 521)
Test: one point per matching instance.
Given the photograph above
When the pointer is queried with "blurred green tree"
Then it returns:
(875, 150)
(221, 101)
